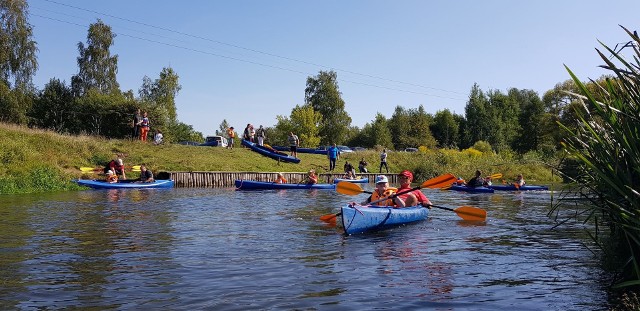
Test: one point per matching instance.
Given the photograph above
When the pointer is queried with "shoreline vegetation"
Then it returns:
(35, 160)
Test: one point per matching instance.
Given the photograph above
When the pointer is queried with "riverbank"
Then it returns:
(42, 161)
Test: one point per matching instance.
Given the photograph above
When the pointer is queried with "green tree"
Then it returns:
(478, 118)
(97, 67)
(400, 126)
(18, 60)
(182, 132)
(160, 95)
(323, 95)
(224, 125)
(14, 104)
(380, 134)
(420, 132)
(304, 122)
(530, 132)
(445, 129)
(53, 107)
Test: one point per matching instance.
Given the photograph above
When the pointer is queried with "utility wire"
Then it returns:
(258, 51)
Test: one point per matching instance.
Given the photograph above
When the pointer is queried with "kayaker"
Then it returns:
(312, 178)
(349, 175)
(362, 166)
(519, 182)
(412, 198)
(383, 190)
(111, 177)
(145, 174)
(116, 166)
(476, 181)
(280, 179)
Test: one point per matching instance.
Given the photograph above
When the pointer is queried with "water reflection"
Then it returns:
(220, 249)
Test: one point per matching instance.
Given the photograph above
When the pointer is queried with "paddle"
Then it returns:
(464, 212)
(135, 168)
(348, 188)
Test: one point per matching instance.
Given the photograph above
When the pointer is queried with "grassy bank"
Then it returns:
(39, 161)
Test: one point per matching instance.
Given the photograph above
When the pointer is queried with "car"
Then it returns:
(215, 141)
(356, 149)
(410, 149)
(189, 143)
(344, 149)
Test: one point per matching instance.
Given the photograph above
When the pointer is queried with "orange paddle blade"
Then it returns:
(439, 182)
(471, 213)
(329, 217)
(348, 188)
(496, 176)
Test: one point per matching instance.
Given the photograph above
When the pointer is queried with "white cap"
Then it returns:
(381, 179)
(120, 161)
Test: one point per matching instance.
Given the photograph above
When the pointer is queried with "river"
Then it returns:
(220, 249)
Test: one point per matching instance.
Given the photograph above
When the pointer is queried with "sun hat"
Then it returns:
(406, 173)
(381, 179)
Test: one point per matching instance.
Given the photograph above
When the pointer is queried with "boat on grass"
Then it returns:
(270, 152)
(365, 218)
(265, 185)
(355, 181)
(302, 150)
(125, 184)
(521, 188)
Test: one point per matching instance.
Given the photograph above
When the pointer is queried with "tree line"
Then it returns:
(518, 120)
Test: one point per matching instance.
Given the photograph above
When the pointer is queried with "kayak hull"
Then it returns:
(522, 188)
(366, 219)
(124, 184)
(471, 189)
(301, 150)
(269, 153)
(265, 185)
(355, 181)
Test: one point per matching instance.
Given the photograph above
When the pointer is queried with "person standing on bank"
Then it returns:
(231, 134)
(294, 142)
(333, 153)
(383, 160)
(261, 133)
(144, 127)
(137, 119)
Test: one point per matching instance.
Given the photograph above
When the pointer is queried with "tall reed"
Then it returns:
(606, 143)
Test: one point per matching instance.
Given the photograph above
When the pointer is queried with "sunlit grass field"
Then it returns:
(39, 161)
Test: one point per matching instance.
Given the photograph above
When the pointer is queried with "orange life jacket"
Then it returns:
(375, 197)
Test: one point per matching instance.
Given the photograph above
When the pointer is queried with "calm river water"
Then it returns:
(220, 249)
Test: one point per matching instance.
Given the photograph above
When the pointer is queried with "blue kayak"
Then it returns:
(363, 219)
(355, 181)
(124, 184)
(522, 188)
(264, 185)
(302, 150)
(471, 189)
(270, 152)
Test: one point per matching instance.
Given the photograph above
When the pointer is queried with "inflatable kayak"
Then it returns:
(522, 188)
(265, 185)
(124, 184)
(471, 189)
(363, 219)
(270, 152)
(355, 181)
(302, 150)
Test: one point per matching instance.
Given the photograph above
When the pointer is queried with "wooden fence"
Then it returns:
(227, 179)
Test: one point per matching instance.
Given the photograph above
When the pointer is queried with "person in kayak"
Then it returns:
(519, 182)
(476, 181)
(116, 166)
(412, 198)
(312, 178)
(383, 190)
(145, 174)
(280, 179)
(111, 177)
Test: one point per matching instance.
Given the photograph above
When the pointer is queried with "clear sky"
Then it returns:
(247, 61)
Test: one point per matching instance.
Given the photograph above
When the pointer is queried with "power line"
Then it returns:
(247, 61)
(265, 53)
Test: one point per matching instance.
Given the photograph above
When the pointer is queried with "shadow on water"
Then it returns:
(184, 249)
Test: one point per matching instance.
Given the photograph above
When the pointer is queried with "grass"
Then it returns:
(38, 161)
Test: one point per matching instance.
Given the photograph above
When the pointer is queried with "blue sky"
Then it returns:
(247, 61)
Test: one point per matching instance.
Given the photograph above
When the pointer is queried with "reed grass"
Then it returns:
(607, 145)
